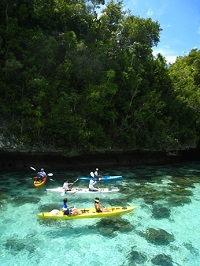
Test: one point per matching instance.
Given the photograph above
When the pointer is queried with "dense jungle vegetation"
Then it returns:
(79, 78)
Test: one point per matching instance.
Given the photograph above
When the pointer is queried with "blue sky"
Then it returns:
(179, 20)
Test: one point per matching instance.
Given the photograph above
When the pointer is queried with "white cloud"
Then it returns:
(170, 59)
(150, 12)
(167, 53)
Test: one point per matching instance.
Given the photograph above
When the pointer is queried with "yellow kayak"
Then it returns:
(86, 213)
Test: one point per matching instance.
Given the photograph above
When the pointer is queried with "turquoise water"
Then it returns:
(163, 230)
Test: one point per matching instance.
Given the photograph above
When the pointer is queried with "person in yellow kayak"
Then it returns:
(68, 210)
(99, 207)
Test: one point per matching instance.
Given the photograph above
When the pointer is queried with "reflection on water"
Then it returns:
(163, 230)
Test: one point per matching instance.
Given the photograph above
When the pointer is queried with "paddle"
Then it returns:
(99, 187)
(75, 181)
(63, 193)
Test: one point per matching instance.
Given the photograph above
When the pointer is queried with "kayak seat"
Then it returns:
(84, 211)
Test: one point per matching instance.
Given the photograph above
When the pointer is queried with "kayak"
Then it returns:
(102, 178)
(86, 213)
(40, 183)
(82, 190)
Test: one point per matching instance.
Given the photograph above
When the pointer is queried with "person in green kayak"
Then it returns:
(99, 207)
(68, 210)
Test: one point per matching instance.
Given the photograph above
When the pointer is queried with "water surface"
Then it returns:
(163, 230)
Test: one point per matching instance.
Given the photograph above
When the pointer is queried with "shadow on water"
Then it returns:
(15, 245)
(106, 227)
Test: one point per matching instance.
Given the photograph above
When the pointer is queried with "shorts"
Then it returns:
(67, 212)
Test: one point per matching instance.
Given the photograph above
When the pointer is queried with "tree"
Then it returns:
(185, 76)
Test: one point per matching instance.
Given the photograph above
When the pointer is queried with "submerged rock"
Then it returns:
(163, 260)
(110, 228)
(137, 257)
(4, 194)
(23, 200)
(158, 236)
(178, 201)
(47, 207)
(14, 245)
(185, 182)
(154, 195)
(181, 191)
(191, 248)
(160, 212)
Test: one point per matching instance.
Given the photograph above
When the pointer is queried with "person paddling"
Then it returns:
(96, 173)
(41, 175)
(66, 186)
(99, 207)
(68, 210)
(92, 183)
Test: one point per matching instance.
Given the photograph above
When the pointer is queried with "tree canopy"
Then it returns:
(81, 78)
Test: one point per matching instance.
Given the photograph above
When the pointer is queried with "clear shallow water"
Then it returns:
(163, 230)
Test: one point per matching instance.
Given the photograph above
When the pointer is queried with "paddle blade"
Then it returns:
(50, 174)
(33, 168)
(63, 193)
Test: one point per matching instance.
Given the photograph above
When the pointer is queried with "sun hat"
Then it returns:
(42, 169)
(96, 200)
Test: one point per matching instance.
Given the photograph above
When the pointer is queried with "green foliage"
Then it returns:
(78, 81)
(185, 76)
